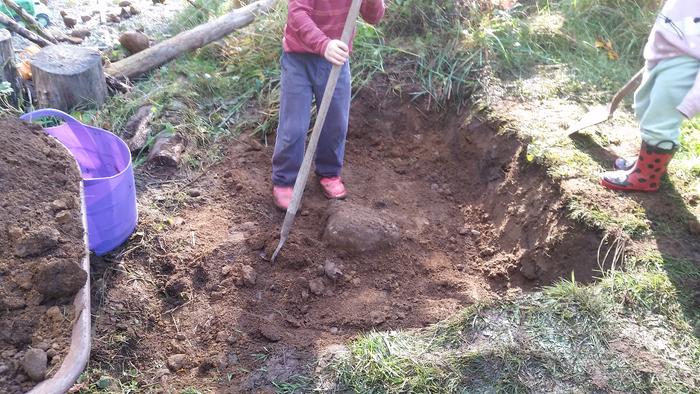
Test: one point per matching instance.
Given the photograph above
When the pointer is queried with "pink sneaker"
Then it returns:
(333, 188)
(282, 196)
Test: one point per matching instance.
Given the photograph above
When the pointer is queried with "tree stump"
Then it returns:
(67, 77)
(8, 71)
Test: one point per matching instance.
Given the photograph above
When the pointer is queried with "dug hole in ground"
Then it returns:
(444, 211)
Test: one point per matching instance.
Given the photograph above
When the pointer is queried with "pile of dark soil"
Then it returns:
(41, 247)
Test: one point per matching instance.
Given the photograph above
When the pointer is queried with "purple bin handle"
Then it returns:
(42, 113)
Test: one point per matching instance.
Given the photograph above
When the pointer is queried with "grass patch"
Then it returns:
(569, 337)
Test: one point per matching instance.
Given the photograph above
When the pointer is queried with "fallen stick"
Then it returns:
(13, 26)
(163, 52)
(30, 21)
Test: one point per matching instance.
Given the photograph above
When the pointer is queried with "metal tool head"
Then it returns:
(596, 115)
(277, 251)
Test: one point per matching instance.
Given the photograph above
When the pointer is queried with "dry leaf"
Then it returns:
(608, 47)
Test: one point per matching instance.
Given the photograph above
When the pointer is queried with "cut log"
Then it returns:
(29, 20)
(15, 27)
(136, 130)
(167, 150)
(8, 72)
(67, 77)
(157, 55)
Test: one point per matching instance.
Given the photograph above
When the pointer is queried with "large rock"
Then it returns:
(356, 229)
(134, 41)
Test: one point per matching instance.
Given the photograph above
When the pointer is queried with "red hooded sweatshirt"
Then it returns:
(312, 24)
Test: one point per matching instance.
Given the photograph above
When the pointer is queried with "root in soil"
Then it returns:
(450, 213)
(41, 247)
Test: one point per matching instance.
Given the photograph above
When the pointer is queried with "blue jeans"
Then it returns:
(304, 78)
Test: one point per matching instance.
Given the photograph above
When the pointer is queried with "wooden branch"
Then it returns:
(13, 26)
(8, 71)
(157, 55)
(29, 20)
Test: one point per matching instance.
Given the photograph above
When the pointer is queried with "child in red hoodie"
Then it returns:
(311, 47)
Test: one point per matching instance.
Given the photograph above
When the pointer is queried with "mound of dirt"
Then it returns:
(41, 246)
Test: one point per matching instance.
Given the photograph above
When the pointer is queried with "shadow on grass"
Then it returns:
(671, 220)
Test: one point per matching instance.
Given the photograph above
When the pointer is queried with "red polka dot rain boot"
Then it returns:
(642, 175)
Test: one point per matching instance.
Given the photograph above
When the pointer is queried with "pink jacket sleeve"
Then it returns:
(372, 11)
(300, 22)
(690, 106)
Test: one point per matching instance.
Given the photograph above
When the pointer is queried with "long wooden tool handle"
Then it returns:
(631, 85)
(303, 175)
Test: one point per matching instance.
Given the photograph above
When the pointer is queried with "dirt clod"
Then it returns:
(356, 229)
(60, 278)
(177, 362)
(377, 317)
(248, 275)
(37, 242)
(331, 270)
(34, 364)
(316, 286)
(270, 332)
(54, 314)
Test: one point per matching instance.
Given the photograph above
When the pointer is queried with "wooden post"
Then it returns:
(66, 77)
(8, 71)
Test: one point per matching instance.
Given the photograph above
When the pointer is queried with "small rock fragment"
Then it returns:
(331, 269)
(176, 362)
(316, 286)
(134, 11)
(694, 227)
(59, 205)
(194, 192)
(63, 217)
(124, 3)
(34, 364)
(463, 231)
(69, 21)
(226, 270)
(85, 18)
(249, 275)
(54, 314)
(334, 330)
(81, 33)
(124, 14)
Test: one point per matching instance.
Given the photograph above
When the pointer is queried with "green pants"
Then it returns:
(662, 90)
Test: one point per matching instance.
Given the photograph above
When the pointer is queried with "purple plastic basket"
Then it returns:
(108, 178)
